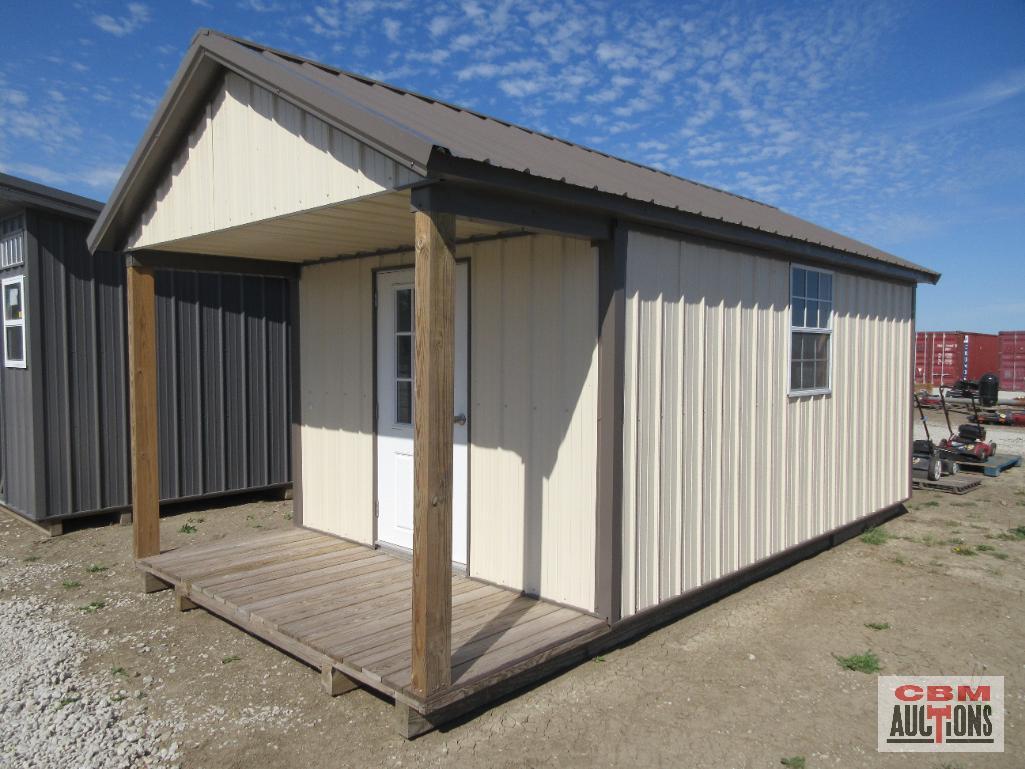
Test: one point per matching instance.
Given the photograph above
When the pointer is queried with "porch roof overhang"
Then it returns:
(373, 224)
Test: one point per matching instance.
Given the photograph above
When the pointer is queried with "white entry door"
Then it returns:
(395, 383)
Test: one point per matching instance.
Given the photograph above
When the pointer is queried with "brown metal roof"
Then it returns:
(420, 131)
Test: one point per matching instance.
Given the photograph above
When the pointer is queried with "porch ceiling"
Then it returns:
(374, 223)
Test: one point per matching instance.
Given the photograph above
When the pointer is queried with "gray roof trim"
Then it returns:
(37, 195)
(433, 137)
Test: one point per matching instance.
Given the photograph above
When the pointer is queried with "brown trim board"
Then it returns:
(229, 265)
(612, 255)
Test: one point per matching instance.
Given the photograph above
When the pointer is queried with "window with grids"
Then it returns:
(14, 321)
(811, 330)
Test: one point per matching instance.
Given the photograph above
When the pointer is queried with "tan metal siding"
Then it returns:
(533, 429)
(533, 415)
(254, 156)
(337, 398)
(721, 467)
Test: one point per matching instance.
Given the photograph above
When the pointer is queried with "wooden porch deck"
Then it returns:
(343, 607)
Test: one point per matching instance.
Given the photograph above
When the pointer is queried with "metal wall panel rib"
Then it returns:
(721, 467)
(533, 419)
(223, 364)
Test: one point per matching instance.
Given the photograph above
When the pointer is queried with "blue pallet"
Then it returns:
(993, 466)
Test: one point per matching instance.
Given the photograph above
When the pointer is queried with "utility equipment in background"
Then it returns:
(969, 442)
(929, 458)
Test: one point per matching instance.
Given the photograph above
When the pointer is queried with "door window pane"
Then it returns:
(404, 356)
(404, 402)
(404, 310)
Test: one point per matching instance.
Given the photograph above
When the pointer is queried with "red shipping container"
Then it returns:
(1012, 361)
(946, 357)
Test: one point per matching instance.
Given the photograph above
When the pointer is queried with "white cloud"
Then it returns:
(439, 25)
(120, 26)
(520, 87)
(392, 30)
(260, 6)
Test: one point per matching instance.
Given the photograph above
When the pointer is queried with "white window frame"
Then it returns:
(826, 330)
(17, 322)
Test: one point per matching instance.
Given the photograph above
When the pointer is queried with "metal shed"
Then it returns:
(633, 393)
(64, 432)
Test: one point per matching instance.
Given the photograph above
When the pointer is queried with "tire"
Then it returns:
(950, 467)
(935, 469)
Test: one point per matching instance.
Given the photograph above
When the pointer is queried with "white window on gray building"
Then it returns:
(14, 321)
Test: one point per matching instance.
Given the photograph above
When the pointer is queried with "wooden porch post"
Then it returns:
(432, 448)
(142, 388)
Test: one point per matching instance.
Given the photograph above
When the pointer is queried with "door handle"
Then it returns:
(459, 419)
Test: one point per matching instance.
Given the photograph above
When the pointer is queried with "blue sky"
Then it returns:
(899, 123)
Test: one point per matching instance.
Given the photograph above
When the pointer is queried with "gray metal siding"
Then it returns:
(222, 350)
(222, 345)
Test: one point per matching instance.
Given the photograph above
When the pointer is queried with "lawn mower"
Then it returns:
(969, 442)
(926, 455)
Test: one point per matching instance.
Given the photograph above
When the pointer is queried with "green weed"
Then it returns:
(230, 658)
(95, 568)
(878, 625)
(794, 762)
(70, 584)
(875, 536)
(860, 663)
(92, 607)
(963, 550)
(187, 528)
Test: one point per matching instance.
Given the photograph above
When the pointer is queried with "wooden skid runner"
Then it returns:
(340, 606)
(949, 484)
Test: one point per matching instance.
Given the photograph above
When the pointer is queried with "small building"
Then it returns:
(64, 434)
(546, 398)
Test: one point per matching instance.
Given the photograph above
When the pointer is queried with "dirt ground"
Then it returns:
(745, 682)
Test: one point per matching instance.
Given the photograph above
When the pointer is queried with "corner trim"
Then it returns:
(612, 266)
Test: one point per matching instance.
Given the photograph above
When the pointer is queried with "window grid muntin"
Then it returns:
(810, 370)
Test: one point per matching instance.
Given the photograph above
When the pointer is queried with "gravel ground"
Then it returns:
(53, 714)
(745, 682)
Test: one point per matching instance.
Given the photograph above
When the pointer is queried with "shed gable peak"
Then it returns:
(252, 156)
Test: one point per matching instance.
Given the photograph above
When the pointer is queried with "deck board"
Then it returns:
(336, 603)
